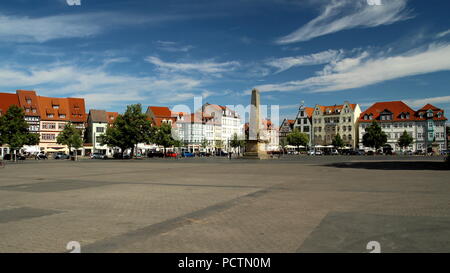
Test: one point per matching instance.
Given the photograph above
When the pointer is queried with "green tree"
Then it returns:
(374, 136)
(162, 136)
(405, 140)
(14, 130)
(297, 138)
(237, 143)
(128, 130)
(283, 144)
(337, 141)
(71, 137)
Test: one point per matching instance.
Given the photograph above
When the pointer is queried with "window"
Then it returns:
(349, 137)
(98, 139)
(62, 116)
(55, 106)
(48, 137)
(61, 126)
(100, 129)
(28, 101)
(50, 115)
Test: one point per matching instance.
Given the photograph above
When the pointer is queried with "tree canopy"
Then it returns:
(374, 137)
(128, 130)
(297, 138)
(405, 140)
(162, 136)
(236, 142)
(337, 141)
(71, 137)
(14, 130)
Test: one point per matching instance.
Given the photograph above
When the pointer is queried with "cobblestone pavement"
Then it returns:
(293, 204)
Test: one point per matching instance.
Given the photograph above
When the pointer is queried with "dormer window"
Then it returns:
(62, 116)
(50, 115)
(439, 115)
(28, 101)
(27, 110)
(429, 113)
(55, 106)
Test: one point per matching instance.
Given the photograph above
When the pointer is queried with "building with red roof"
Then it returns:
(426, 125)
(328, 121)
(303, 121)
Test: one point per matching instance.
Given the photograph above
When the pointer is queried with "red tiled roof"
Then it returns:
(433, 108)
(47, 104)
(76, 110)
(159, 111)
(333, 108)
(309, 111)
(395, 107)
(24, 97)
(111, 117)
(6, 101)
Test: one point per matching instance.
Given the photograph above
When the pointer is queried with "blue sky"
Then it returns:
(115, 53)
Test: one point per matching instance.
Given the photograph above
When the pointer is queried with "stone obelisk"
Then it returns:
(255, 147)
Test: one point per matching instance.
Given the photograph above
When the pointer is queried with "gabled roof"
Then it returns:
(6, 101)
(26, 96)
(111, 117)
(160, 111)
(77, 110)
(395, 107)
(98, 116)
(331, 109)
(421, 114)
(47, 104)
(309, 111)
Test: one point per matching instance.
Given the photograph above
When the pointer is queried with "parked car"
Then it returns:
(419, 152)
(355, 152)
(40, 156)
(152, 154)
(222, 153)
(61, 155)
(98, 156)
(445, 152)
(187, 154)
(121, 156)
(171, 154)
(205, 154)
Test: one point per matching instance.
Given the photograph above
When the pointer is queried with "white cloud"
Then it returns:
(424, 101)
(100, 88)
(443, 33)
(323, 57)
(362, 70)
(204, 67)
(170, 46)
(42, 29)
(347, 14)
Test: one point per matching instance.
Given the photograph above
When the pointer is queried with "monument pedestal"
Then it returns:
(255, 149)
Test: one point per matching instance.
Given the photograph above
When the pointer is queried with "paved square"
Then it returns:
(306, 204)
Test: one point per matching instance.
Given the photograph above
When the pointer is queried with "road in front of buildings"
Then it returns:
(292, 204)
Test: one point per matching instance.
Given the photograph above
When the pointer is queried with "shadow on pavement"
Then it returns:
(393, 165)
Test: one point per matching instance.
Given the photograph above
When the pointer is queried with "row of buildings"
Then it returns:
(427, 125)
(210, 128)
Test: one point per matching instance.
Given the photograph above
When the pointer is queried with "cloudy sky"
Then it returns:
(116, 52)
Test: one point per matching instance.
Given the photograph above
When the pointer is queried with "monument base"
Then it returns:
(255, 150)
